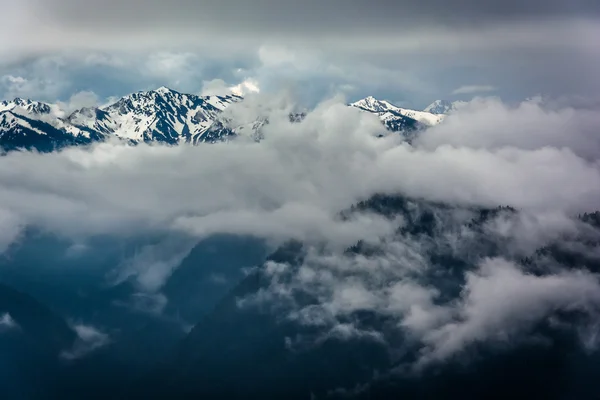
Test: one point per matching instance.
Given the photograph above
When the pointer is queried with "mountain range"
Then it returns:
(240, 348)
(238, 318)
(163, 115)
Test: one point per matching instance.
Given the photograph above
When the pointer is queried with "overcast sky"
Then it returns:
(405, 51)
(537, 155)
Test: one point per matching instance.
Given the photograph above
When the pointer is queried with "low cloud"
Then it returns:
(89, 339)
(499, 300)
(11, 229)
(489, 124)
(152, 265)
(145, 302)
(438, 315)
(294, 183)
(7, 323)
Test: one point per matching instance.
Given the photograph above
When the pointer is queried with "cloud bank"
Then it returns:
(293, 184)
(302, 174)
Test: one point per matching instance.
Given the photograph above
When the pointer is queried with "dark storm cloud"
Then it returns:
(308, 16)
(343, 25)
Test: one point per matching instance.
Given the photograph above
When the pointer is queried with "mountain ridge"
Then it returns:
(444, 106)
(161, 115)
(386, 109)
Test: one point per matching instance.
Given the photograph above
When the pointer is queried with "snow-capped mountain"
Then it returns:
(26, 106)
(439, 107)
(162, 115)
(51, 114)
(391, 114)
(18, 131)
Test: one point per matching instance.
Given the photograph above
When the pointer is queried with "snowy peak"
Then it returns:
(167, 116)
(373, 105)
(165, 99)
(164, 114)
(18, 131)
(163, 90)
(161, 115)
(439, 107)
(92, 119)
(26, 106)
(13, 121)
(85, 114)
(387, 110)
(32, 118)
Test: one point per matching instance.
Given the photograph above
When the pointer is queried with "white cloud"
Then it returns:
(89, 339)
(41, 78)
(246, 87)
(11, 229)
(145, 302)
(220, 88)
(499, 301)
(7, 323)
(324, 163)
(540, 158)
(18, 86)
(490, 124)
(215, 87)
(472, 89)
(79, 100)
(527, 232)
(171, 67)
(153, 264)
(294, 183)
(15, 80)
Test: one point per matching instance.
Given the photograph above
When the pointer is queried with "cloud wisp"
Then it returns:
(89, 339)
(7, 323)
(473, 89)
